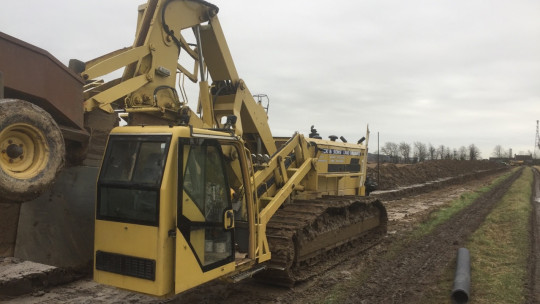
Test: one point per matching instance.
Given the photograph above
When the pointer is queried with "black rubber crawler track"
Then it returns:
(306, 236)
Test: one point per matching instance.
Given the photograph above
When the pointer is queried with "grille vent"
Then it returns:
(126, 265)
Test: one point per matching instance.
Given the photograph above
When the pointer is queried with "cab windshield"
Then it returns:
(130, 179)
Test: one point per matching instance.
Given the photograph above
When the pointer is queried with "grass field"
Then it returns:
(499, 251)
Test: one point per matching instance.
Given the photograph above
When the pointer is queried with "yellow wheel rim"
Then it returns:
(23, 151)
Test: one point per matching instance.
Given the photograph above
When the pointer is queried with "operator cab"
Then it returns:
(171, 200)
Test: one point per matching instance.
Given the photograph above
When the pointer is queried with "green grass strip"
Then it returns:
(500, 248)
(444, 214)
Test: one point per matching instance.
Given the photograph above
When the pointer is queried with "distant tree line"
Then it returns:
(419, 152)
(500, 152)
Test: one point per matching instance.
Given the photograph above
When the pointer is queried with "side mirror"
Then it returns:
(228, 219)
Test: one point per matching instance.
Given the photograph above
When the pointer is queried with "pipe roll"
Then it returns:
(462, 278)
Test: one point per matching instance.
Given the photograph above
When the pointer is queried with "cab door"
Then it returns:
(205, 219)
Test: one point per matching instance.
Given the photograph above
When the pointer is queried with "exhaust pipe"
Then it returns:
(462, 278)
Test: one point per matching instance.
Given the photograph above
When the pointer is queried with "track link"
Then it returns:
(307, 237)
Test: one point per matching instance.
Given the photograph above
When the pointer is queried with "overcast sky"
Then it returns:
(453, 73)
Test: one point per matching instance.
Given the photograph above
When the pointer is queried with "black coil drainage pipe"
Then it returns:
(462, 278)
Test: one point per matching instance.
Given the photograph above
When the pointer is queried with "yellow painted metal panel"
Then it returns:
(132, 240)
(191, 211)
(105, 98)
(216, 52)
(118, 60)
(188, 272)
(124, 238)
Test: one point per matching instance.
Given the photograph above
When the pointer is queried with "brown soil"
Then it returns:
(408, 277)
(404, 279)
(393, 176)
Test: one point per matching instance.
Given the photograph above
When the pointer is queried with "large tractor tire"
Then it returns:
(32, 151)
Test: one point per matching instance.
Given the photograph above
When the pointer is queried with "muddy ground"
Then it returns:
(407, 279)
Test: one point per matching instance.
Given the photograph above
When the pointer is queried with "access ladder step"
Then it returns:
(247, 274)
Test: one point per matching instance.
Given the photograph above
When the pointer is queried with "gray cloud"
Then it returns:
(441, 72)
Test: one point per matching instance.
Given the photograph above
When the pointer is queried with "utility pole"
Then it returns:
(536, 140)
(378, 162)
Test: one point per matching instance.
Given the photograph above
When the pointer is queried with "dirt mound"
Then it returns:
(393, 176)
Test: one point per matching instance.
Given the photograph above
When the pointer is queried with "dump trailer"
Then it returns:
(41, 106)
(50, 150)
(186, 196)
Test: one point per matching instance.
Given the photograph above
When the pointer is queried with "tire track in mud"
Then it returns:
(408, 277)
